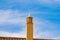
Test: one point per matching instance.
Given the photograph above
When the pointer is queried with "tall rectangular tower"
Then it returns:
(29, 28)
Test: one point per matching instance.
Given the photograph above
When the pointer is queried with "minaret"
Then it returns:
(29, 28)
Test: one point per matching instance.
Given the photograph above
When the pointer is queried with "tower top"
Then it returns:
(29, 15)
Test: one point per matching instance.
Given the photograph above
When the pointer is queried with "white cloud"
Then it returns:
(10, 16)
(8, 34)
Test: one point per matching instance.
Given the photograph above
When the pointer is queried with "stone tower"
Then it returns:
(29, 28)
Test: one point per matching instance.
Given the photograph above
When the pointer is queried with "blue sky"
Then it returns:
(45, 13)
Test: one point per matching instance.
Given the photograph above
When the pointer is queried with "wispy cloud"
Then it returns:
(12, 17)
(8, 34)
(57, 0)
(9, 16)
(44, 29)
(28, 4)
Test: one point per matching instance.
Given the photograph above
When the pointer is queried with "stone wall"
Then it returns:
(10, 38)
(14, 38)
